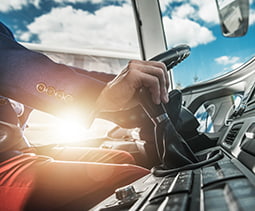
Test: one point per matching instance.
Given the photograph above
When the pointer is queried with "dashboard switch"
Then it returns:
(126, 194)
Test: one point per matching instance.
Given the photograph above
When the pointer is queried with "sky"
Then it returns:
(212, 54)
(71, 23)
(108, 24)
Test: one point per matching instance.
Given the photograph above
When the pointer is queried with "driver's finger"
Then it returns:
(164, 68)
(153, 84)
(157, 69)
(156, 64)
(165, 85)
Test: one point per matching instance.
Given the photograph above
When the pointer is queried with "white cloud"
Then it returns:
(252, 17)
(182, 28)
(78, 1)
(225, 60)
(82, 1)
(165, 3)
(7, 5)
(25, 36)
(184, 11)
(186, 31)
(204, 10)
(207, 10)
(76, 28)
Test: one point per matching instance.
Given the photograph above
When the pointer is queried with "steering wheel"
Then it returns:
(173, 56)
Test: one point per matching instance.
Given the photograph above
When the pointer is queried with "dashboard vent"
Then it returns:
(233, 133)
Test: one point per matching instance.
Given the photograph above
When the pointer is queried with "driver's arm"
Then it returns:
(36, 81)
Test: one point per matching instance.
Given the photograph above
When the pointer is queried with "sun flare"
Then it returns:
(46, 129)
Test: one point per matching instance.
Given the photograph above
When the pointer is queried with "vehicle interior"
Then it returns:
(216, 125)
(200, 146)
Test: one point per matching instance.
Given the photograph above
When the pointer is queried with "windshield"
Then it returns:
(196, 23)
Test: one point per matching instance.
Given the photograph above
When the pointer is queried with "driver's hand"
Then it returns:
(120, 93)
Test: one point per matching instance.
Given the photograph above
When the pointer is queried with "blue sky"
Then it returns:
(100, 24)
(201, 61)
(212, 54)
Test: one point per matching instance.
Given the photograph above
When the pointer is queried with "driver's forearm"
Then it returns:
(36, 81)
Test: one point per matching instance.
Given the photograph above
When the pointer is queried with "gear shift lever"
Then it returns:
(172, 149)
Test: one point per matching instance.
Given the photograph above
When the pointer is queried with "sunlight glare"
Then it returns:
(70, 131)
(47, 129)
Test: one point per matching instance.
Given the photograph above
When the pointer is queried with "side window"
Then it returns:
(97, 35)
(204, 116)
(213, 114)
(94, 35)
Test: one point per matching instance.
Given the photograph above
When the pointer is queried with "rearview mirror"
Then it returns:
(234, 17)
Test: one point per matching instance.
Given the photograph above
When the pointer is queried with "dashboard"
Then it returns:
(225, 179)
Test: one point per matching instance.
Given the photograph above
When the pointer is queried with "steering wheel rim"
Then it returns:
(173, 56)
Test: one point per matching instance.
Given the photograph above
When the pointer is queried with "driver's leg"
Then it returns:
(86, 154)
(77, 186)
